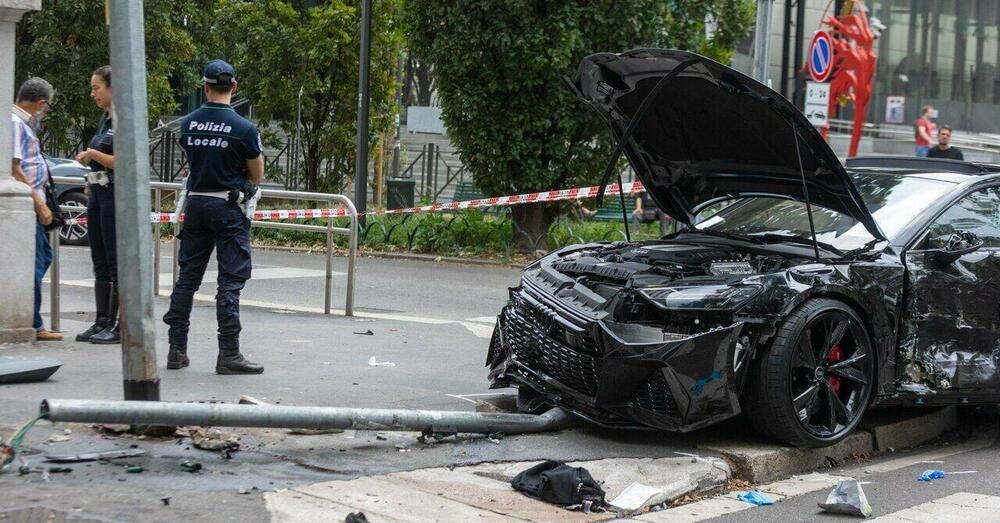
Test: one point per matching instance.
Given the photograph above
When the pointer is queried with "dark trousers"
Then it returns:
(211, 223)
(101, 233)
(43, 258)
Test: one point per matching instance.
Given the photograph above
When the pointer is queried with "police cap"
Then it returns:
(218, 72)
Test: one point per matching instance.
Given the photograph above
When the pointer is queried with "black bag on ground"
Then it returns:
(558, 483)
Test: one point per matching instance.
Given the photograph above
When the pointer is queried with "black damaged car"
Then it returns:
(817, 291)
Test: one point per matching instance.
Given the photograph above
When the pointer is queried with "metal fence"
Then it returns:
(161, 188)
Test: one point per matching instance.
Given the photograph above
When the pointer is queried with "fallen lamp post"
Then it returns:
(281, 416)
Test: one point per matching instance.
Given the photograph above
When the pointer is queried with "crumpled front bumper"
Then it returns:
(616, 374)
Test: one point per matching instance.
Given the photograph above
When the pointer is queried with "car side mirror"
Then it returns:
(955, 250)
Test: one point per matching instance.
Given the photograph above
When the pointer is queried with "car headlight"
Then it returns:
(701, 297)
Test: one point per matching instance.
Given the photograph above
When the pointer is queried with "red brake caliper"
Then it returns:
(835, 355)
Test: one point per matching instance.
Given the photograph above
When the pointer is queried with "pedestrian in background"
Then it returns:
(224, 152)
(923, 130)
(944, 149)
(99, 156)
(34, 99)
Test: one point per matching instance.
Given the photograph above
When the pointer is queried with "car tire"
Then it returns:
(74, 234)
(812, 402)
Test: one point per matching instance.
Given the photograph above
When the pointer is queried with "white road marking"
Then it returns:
(956, 508)
(259, 273)
(483, 319)
(478, 329)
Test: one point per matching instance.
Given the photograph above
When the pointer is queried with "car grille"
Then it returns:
(654, 395)
(534, 343)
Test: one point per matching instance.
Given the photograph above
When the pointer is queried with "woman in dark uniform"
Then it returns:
(99, 156)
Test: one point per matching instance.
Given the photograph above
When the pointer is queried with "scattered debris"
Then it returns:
(755, 497)
(356, 517)
(165, 500)
(847, 498)
(112, 429)
(485, 406)
(931, 475)
(634, 497)
(57, 438)
(495, 437)
(94, 456)
(366, 333)
(402, 447)
(60, 470)
(250, 400)
(373, 363)
(243, 491)
(191, 466)
(214, 439)
(134, 469)
(558, 483)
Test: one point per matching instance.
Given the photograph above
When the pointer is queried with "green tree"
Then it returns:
(281, 47)
(499, 66)
(68, 39)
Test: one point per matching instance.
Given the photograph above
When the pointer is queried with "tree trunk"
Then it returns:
(531, 226)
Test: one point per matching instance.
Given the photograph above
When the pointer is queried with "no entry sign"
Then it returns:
(821, 56)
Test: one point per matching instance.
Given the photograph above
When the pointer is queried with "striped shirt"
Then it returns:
(28, 150)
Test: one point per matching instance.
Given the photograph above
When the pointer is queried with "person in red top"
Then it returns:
(923, 131)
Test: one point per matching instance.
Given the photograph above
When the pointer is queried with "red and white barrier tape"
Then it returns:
(578, 193)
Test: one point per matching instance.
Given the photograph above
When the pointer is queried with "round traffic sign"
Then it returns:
(821, 56)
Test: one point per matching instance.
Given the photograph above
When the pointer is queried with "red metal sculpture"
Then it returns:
(854, 65)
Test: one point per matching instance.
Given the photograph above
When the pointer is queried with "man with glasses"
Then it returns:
(34, 99)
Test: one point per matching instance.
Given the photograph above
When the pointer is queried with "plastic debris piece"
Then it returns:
(366, 333)
(95, 456)
(634, 497)
(165, 500)
(495, 437)
(847, 498)
(356, 517)
(190, 466)
(134, 469)
(373, 363)
(755, 497)
(931, 475)
(60, 470)
(57, 438)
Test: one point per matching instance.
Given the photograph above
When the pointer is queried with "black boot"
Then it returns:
(177, 357)
(232, 362)
(110, 334)
(101, 290)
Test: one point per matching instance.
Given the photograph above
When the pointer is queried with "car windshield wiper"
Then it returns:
(726, 235)
(790, 238)
(864, 248)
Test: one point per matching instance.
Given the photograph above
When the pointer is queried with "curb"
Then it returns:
(880, 431)
(394, 256)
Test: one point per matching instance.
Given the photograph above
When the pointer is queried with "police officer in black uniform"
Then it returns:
(224, 153)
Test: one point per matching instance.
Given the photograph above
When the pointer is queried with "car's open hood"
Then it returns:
(713, 133)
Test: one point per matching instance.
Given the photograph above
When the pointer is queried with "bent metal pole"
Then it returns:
(281, 416)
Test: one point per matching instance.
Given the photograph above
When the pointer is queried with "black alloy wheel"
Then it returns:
(73, 234)
(814, 382)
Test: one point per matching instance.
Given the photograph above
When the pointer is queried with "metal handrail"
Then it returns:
(903, 133)
(159, 187)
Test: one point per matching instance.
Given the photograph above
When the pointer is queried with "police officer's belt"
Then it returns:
(217, 194)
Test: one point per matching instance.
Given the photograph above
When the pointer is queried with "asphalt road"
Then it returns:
(430, 320)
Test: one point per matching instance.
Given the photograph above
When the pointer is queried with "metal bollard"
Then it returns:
(54, 281)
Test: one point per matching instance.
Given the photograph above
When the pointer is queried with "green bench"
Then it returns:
(611, 211)
(465, 191)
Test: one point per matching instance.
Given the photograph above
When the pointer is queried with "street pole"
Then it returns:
(762, 35)
(132, 203)
(361, 165)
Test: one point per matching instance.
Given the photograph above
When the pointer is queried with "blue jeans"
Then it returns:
(43, 258)
(211, 223)
(101, 233)
(922, 151)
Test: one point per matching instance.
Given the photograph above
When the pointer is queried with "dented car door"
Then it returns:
(950, 337)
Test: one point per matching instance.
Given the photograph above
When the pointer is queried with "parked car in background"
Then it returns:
(70, 195)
